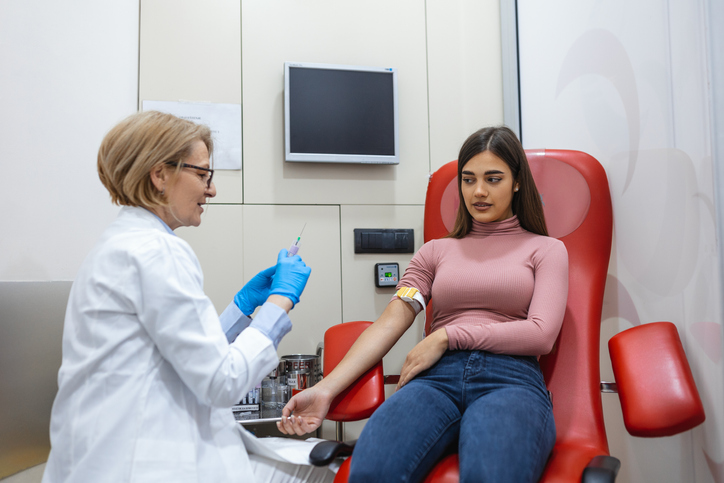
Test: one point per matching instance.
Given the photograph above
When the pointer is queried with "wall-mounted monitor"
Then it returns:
(340, 114)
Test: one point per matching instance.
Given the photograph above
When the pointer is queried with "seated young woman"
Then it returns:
(499, 286)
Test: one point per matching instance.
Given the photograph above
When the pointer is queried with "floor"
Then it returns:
(31, 475)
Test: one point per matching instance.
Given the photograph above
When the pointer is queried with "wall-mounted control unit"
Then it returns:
(387, 274)
(381, 240)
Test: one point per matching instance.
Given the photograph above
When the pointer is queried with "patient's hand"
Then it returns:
(305, 412)
(423, 356)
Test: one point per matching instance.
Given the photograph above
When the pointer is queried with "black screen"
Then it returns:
(341, 112)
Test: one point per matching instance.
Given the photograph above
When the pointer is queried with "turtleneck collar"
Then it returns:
(505, 227)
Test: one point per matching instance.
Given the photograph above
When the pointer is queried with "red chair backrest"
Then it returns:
(366, 394)
(577, 206)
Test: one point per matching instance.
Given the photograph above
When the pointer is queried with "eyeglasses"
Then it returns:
(206, 178)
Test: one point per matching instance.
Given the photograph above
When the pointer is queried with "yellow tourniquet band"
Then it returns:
(407, 292)
(411, 295)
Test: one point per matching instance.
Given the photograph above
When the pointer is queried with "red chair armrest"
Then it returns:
(367, 393)
(655, 384)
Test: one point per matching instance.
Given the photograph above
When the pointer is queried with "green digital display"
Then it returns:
(386, 274)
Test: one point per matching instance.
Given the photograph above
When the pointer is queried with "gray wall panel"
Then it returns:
(31, 327)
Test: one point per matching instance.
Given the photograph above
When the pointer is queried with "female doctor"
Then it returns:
(149, 370)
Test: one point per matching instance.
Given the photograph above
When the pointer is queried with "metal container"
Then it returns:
(302, 371)
(279, 370)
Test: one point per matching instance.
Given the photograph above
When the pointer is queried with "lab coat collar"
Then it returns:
(143, 213)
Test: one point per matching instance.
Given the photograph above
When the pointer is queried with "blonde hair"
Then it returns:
(136, 146)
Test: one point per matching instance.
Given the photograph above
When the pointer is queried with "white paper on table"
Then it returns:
(284, 449)
(224, 120)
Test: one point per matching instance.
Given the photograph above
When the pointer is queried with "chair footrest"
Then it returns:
(326, 451)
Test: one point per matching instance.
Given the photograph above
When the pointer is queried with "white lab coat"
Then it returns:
(148, 377)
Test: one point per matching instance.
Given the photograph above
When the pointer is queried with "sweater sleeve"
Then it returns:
(420, 273)
(534, 335)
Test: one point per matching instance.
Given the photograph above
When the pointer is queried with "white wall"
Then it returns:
(68, 72)
(375, 33)
(627, 82)
(191, 51)
(464, 74)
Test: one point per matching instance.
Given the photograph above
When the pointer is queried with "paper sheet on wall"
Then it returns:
(224, 120)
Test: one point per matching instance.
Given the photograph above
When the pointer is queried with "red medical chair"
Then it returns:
(656, 388)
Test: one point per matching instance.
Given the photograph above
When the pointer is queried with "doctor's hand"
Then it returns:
(291, 276)
(423, 356)
(305, 412)
(255, 292)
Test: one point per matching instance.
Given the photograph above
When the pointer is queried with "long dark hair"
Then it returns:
(503, 143)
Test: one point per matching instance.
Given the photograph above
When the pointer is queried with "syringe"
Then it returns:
(295, 246)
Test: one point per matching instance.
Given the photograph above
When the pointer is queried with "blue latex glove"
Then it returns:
(255, 292)
(291, 276)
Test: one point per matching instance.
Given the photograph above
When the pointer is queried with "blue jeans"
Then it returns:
(494, 408)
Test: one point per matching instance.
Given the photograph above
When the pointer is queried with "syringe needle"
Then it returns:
(295, 245)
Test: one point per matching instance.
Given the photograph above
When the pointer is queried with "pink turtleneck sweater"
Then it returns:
(500, 288)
